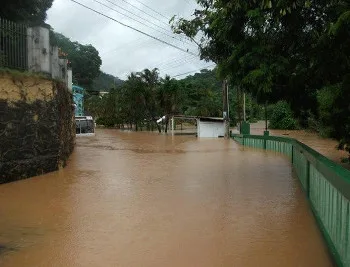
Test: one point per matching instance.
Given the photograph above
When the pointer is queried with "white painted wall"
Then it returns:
(39, 49)
(44, 58)
(211, 129)
(70, 80)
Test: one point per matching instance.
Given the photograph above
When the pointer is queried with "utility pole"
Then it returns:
(265, 116)
(225, 108)
(244, 113)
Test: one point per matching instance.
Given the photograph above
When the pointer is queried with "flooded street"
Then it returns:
(143, 199)
(325, 146)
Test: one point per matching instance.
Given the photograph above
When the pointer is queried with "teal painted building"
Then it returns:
(78, 98)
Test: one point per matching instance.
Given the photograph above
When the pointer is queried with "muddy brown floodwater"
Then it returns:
(143, 199)
(325, 146)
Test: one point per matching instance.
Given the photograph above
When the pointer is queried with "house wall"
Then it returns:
(210, 129)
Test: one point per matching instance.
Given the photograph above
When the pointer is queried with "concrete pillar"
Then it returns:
(55, 67)
(63, 69)
(172, 125)
(70, 80)
(198, 128)
(39, 49)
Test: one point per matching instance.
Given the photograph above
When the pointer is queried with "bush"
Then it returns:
(106, 121)
(253, 120)
(282, 117)
(326, 99)
(334, 110)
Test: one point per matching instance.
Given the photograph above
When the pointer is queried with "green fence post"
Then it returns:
(308, 178)
(245, 128)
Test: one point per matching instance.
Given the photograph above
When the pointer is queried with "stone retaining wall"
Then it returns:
(36, 126)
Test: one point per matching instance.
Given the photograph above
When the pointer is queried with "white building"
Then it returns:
(210, 127)
(207, 127)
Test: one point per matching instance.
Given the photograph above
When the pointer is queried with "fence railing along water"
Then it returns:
(326, 184)
(13, 45)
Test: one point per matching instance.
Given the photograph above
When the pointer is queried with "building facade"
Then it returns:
(78, 98)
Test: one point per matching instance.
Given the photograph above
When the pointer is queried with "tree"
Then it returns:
(278, 50)
(105, 82)
(25, 11)
(203, 95)
(133, 102)
(169, 98)
(150, 82)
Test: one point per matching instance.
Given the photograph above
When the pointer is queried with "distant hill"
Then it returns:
(104, 82)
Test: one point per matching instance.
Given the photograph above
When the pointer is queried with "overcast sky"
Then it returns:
(124, 50)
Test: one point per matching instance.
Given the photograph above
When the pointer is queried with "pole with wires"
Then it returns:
(225, 109)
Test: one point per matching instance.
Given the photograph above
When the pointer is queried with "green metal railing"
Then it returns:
(13, 45)
(326, 184)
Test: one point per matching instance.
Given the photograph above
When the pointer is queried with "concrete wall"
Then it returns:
(44, 58)
(69, 80)
(36, 126)
(39, 50)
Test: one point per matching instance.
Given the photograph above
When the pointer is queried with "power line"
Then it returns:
(160, 62)
(135, 29)
(145, 12)
(148, 21)
(165, 23)
(193, 71)
(142, 23)
(179, 64)
(130, 44)
(155, 11)
(165, 63)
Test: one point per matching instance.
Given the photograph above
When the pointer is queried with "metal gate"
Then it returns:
(13, 45)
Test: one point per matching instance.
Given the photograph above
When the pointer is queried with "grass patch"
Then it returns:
(22, 75)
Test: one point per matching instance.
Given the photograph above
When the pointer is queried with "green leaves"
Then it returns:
(27, 11)
(281, 49)
(282, 117)
(342, 24)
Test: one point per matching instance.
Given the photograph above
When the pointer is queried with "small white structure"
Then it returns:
(84, 126)
(210, 127)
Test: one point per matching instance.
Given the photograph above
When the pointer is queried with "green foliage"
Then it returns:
(144, 97)
(334, 110)
(18, 75)
(280, 50)
(26, 11)
(105, 82)
(203, 93)
(85, 60)
(326, 98)
(106, 121)
(282, 117)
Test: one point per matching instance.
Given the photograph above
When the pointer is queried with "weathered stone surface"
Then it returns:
(36, 127)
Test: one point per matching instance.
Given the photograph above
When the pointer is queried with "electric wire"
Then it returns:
(135, 29)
